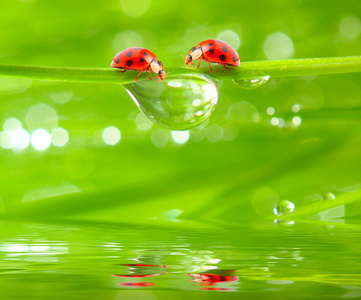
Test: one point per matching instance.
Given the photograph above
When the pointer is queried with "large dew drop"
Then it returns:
(178, 103)
(252, 83)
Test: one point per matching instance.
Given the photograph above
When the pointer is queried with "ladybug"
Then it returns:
(213, 51)
(139, 59)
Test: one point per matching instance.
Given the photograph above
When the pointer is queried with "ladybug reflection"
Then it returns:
(140, 284)
(209, 280)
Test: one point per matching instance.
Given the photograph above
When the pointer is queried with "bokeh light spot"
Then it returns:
(135, 8)
(296, 121)
(242, 112)
(180, 137)
(59, 137)
(196, 102)
(41, 116)
(159, 138)
(278, 46)
(40, 139)
(296, 107)
(274, 121)
(20, 139)
(61, 96)
(126, 39)
(175, 84)
(111, 135)
(270, 111)
(281, 123)
(229, 132)
(214, 133)
(350, 27)
(142, 122)
(5, 140)
(12, 124)
(230, 37)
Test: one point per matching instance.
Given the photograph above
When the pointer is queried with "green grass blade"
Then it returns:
(273, 68)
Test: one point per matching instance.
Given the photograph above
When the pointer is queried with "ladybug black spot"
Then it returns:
(119, 55)
(128, 283)
(234, 53)
(234, 59)
(222, 57)
(118, 60)
(145, 54)
(210, 44)
(129, 62)
(138, 48)
(224, 48)
(129, 54)
(211, 51)
(141, 60)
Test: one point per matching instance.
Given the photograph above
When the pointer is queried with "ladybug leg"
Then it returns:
(150, 75)
(121, 70)
(228, 68)
(210, 66)
(200, 60)
(136, 78)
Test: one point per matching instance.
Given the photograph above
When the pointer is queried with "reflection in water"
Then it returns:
(77, 259)
(206, 279)
(138, 271)
(137, 284)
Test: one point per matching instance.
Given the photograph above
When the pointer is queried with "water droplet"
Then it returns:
(252, 83)
(179, 103)
(284, 207)
(329, 196)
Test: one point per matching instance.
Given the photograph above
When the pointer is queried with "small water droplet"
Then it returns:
(252, 83)
(329, 196)
(179, 103)
(284, 207)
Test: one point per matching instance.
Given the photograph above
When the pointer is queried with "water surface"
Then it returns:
(193, 260)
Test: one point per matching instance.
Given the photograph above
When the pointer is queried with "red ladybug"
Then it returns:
(139, 59)
(213, 51)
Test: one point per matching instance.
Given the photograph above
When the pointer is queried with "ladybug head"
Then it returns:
(188, 59)
(161, 74)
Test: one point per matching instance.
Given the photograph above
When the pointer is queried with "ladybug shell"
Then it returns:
(134, 58)
(220, 52)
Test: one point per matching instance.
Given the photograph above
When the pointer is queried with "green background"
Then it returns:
(232, 170)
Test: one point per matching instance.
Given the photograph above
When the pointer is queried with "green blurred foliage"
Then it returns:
(235, 167)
